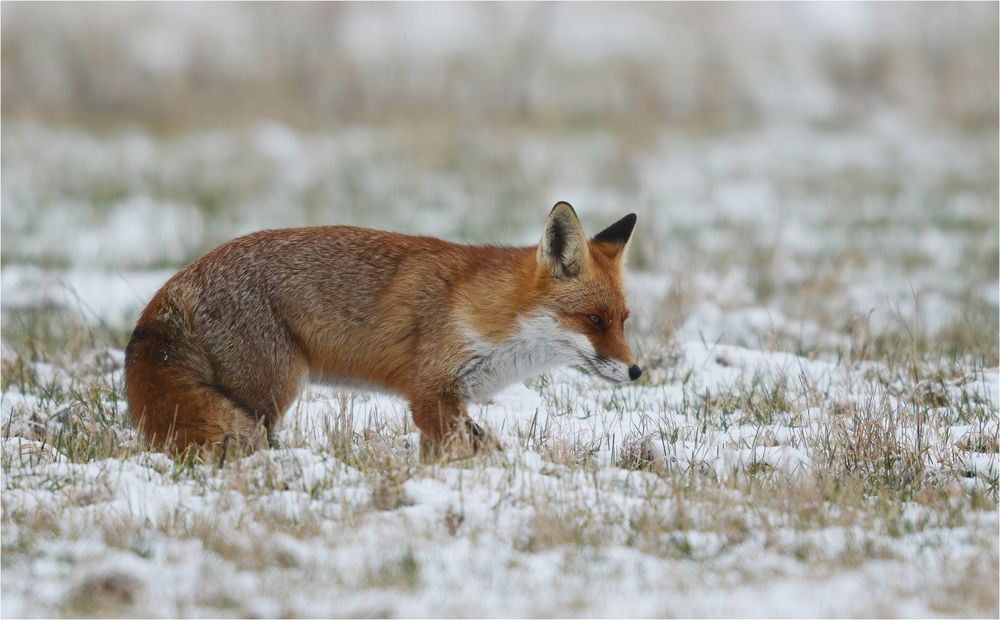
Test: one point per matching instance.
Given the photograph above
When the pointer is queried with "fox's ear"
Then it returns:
(613, 240)
(564, 244)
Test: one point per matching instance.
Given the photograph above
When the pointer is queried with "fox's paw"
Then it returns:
(468, 440)
(482, 440)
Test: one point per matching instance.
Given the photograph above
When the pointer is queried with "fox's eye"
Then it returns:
(596, 320)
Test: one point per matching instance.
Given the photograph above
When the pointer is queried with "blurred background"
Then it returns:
(804, 174)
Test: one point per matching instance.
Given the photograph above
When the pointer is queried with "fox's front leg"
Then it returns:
(445, 425)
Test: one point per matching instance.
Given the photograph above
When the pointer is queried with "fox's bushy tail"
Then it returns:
(173, 402)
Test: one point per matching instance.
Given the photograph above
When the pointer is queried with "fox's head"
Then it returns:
(582, 283)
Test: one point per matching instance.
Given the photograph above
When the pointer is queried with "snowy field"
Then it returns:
(815, 304)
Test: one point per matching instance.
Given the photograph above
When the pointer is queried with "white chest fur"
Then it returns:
(538, 343)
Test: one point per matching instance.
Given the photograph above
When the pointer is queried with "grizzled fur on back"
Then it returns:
(223, 349)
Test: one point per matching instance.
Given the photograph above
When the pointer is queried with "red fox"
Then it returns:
(223, 349)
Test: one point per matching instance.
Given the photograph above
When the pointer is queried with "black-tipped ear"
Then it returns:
(613, 240)
(564, 245)
(619, 232)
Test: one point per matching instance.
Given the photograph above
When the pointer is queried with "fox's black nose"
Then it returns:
(634, 372)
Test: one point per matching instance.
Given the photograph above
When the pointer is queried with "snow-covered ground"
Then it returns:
(732, 481)
(653, 500)
(816, 435)
(813, 284)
